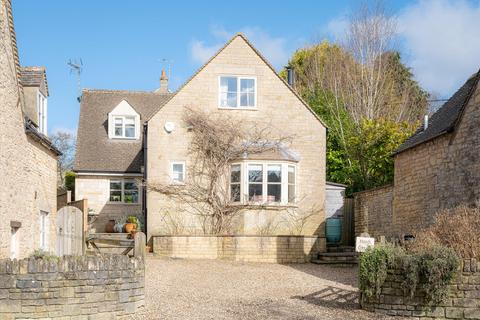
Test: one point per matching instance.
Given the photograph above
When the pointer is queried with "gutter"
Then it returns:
(31, 129)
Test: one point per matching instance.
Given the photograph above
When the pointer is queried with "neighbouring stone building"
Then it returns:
(125, 136)
(437, 168)
(28, 160)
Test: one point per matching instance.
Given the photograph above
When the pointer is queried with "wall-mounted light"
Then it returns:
(169, 127)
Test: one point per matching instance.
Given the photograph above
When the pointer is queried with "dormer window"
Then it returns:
(42, 113)
(123, 122)
(237, 92)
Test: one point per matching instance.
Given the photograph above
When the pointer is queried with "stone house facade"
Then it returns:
(28, 160)
(238, 82)
(435, 169)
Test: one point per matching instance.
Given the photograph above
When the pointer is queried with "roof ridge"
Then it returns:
(124, 91)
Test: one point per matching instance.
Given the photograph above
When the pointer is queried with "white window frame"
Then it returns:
(42, 112)
(124, 118)
(44, 230)
(244, 185)
(172, 180)
(239, 78)
(122, 191)
(14, 243)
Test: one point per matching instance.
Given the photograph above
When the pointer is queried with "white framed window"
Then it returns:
(124, 127)
(177, 171)
(270, 182)
(13, 243)
(42, 113)
(237, 92)
(124, 191)
(44, 227)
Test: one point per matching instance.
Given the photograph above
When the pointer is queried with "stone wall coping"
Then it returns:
(387, 186)
(70, 263)
(235, 236)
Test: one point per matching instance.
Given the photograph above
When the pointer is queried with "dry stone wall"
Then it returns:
(463, 301)
(86, 287)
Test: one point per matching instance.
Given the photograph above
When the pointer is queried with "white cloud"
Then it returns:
(273, 48)
(442, 40)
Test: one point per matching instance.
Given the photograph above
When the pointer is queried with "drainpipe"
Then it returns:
(144, 187)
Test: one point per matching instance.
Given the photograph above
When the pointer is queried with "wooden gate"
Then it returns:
(69, 231)
(348, 230)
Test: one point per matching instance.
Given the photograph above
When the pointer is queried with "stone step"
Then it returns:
(338, 254)
(335, 248)
(336, 263)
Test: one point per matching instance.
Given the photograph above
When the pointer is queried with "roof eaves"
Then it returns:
(31, 129)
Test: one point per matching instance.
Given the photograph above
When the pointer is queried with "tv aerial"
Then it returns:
(76, 66)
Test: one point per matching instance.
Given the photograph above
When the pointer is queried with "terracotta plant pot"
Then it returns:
(109, 226)
(129, 227)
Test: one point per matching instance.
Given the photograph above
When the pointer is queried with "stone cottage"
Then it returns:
(28, 160)
(436, 168)
(128, 135)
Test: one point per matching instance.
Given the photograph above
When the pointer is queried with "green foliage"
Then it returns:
(70, 180)
(429, 271)
(374, 264)
(135, 220)
(44, 255)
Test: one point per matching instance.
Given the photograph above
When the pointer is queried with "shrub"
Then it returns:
(44, 255)
(455, 228)
(374, 264)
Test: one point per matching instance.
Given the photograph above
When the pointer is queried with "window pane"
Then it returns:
(274, 193)
(115, 196)
(129, 131)
(115, 185)
(130, 120)
(228, 92)
(255, 192)
(291, 193)
(235, 173)
(235, 192)
(247, 92)
(291, 174)
(177, 170)
(131, 197)
(118, 121)
(274, 173)
(130, 185)
(118, 131)
(255, 173)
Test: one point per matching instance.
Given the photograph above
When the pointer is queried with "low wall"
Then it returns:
(86, 287)
(273, 249)
(463, 301)
(373, 212)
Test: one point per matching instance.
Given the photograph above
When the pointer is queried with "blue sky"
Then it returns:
(122, 43)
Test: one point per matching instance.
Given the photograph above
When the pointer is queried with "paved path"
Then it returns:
(209, 289)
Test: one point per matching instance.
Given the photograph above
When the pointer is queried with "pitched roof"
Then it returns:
(95, 151)
(241, 35)
(446, 118)
(34, 77)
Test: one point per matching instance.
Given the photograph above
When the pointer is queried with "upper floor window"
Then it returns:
(237, 92)
(263, 182)
(42, 112)
(124, 127)
(177, 173)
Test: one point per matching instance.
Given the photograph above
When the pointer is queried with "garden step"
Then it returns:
(348, 263)
(336, 248)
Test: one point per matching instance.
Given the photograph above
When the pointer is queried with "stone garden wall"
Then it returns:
(373, 212)
(463, 301)
(86, 287)
(273, 249)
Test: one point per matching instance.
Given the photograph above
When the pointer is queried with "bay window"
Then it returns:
(237, 92)
(124, 191)
(272, 182)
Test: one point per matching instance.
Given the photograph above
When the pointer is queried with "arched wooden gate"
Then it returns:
(69, 231)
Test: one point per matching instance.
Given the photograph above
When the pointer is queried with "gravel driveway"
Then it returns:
(210, 289)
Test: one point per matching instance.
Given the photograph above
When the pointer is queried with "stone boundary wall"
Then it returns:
(374, 212)
(271, 249)
(463, 301)
(74, 287)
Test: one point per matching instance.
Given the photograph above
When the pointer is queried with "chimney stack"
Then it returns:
(290, 76)
(163, 83)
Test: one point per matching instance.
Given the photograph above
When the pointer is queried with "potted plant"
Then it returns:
(132, 224)
(119, 224)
